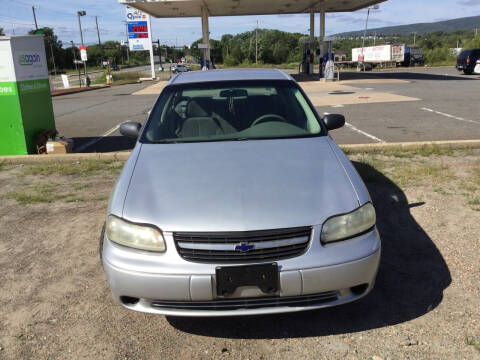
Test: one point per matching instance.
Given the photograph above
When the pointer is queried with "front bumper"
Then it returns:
(188, 289)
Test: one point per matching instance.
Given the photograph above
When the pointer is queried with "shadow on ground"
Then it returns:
(386, 75)
(410, 282)
(401, 75)
(103, 144)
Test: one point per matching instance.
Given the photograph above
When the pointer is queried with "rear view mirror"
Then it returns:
(234, 93)
(130, 129)
(334, 121)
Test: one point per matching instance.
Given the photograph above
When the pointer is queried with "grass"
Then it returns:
(81, 168)
(474, 203)
(424, 151)
(3, 165)
(475, 177)
(471, 341)
(49, 193)
(44, 193)
(408, 175)
(79, 187)
(373, 169)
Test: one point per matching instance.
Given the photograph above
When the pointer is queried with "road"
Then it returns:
(87, 116)
(447, 107)
(57, 82)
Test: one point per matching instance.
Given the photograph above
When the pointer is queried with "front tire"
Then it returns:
(468, 72)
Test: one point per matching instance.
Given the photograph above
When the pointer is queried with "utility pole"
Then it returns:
(82, 13)
(128, 45)
(53, 59)
(75, 62)
(414, 38)
(375, 7)
(256, 44)
(34, 17)
(99, 41)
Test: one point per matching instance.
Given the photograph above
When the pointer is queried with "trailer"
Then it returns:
(389, 55)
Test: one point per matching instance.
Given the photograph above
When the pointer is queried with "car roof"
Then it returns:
(229, 75)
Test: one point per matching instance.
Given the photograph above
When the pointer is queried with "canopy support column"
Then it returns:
(312, 39)
(206, 37)
(321, 39)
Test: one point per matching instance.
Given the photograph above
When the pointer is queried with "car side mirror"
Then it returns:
(334, 121)
(130, 129)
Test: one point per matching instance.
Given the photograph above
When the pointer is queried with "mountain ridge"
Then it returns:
(448, 26)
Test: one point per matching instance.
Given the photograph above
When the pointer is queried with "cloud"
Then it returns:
(469, 2)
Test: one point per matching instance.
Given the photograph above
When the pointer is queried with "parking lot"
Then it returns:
(55, 301)
(390, 106)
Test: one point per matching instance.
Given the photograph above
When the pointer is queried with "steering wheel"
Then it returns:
(267, 118)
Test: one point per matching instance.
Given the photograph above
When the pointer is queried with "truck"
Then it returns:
(398, 55)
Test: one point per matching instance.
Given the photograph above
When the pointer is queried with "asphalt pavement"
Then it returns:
(447, 108)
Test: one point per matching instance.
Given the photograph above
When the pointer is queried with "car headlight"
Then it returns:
(141, 237)
(348, 225)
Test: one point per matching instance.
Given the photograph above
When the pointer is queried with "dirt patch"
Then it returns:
(55, 301)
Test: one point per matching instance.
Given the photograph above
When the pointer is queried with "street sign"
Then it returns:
(203, 46)
(83, 53)
(77, 61)
(138, 30)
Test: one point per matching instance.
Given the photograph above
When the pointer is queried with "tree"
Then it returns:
(53, 48)
(1, 32)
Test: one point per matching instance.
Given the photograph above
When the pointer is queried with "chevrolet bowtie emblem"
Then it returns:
(244, 247)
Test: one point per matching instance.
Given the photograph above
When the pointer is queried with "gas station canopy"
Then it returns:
(193, 8)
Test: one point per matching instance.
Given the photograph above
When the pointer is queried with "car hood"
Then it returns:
(238, 185)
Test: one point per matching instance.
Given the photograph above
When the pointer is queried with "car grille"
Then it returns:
(241, 247)
(250, 303)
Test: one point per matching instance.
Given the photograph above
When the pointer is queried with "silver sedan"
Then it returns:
(236, 201)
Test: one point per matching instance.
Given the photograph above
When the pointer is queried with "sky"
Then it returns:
(16, 19)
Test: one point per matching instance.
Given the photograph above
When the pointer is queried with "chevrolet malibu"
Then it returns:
(236, 201)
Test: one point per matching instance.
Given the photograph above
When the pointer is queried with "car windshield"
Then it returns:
(231, 111)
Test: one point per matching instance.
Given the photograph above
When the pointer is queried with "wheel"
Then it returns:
(468, 72)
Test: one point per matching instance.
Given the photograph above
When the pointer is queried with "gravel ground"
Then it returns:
(55, 301)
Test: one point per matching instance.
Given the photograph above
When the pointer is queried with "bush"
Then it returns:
(473, 44)
(230, 61)
(440, 56)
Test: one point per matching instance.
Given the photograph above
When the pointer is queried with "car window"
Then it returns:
(228, 111)
(464, 54)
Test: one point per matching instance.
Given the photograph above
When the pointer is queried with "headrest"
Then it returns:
(199, 107)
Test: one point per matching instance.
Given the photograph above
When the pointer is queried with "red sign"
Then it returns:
(139, 36)
(83, 53)
(139, 29)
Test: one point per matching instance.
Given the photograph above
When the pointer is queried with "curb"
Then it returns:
(449, 144)
(60, 158)
(76, 90)
(349, 148)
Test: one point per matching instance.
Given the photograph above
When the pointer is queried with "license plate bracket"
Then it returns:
(265, 276)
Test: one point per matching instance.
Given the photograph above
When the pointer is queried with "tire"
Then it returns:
(100, 244)
(468, 72)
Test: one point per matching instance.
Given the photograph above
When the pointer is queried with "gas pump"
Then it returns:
(328, 60)
(307, 59)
